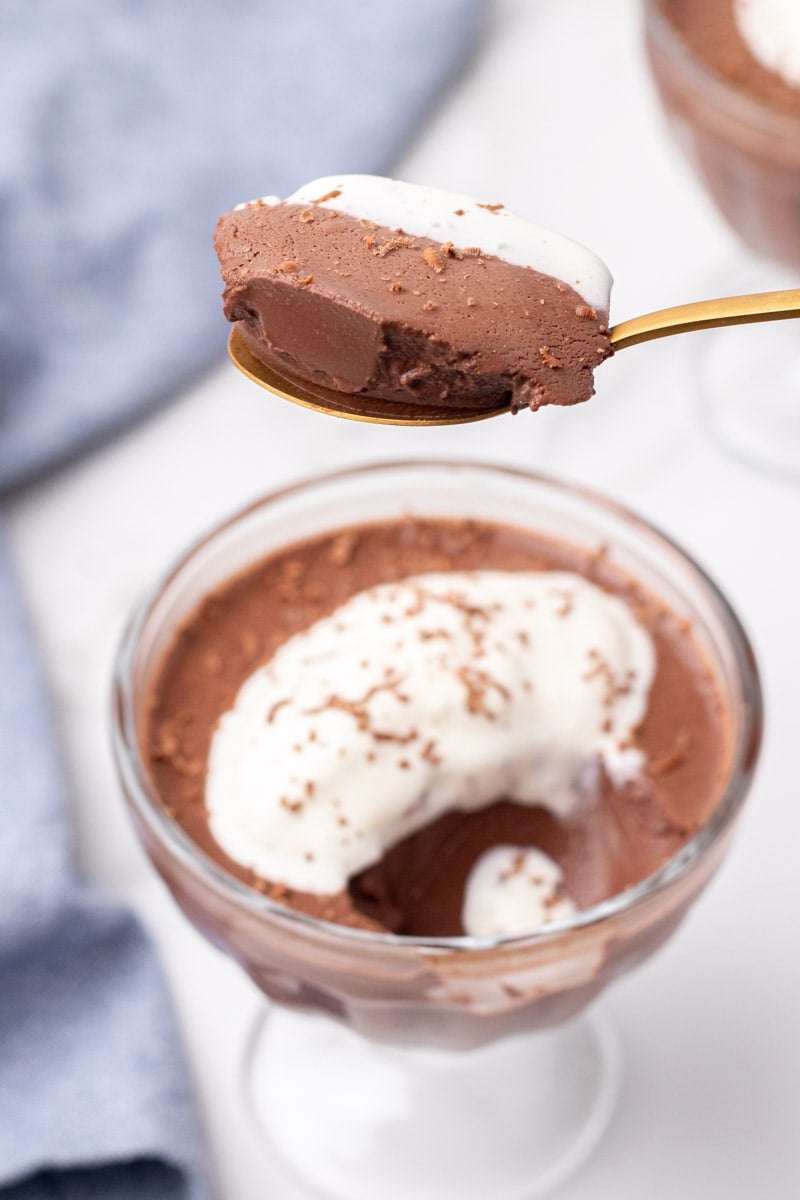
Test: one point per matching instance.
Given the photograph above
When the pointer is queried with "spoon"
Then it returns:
(683, 318)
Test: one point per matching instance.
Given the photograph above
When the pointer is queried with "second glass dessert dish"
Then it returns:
(401, 1063)
(720, 72)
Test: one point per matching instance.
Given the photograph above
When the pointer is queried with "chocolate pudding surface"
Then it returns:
(619, 837)
(709, 29)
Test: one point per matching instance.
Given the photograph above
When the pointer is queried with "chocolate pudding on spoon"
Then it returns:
(367, 321)
(392, 297)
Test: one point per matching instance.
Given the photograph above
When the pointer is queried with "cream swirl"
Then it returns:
(443, 691)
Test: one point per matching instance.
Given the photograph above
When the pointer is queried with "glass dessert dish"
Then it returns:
(747, 155)
(400, 1066)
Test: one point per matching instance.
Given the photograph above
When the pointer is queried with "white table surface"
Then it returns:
(556, 118)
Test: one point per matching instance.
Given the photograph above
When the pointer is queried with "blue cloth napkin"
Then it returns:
(93, 1100)
(125, 127)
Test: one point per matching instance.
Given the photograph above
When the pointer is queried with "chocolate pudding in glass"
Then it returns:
(727, 73)
(435, 751)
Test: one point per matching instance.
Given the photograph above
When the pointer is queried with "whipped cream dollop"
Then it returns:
(452, 217)
(513, 889)
(443, 691)
(771, 29)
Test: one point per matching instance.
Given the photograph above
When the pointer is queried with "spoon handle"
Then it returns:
(706, 314)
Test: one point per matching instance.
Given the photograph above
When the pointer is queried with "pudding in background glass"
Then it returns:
(415, 1087)
(737, 119)
(727, 73)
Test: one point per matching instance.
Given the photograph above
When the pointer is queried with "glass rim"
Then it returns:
(141, 791)
(723, 96)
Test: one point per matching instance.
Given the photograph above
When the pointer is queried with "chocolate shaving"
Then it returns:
(167, 746)
(428, 754)
(249, 642)
(328, 196)
(342, 549)
(273, 712)
(549, 359)
(427, 635)
(567, 601)
(478, 685)
(358, 710)
(672, 759)
(398, 242)
(433, 259)
(515, 867)
(292, 806)
(614, 687)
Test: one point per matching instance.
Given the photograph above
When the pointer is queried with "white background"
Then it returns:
(556, 118)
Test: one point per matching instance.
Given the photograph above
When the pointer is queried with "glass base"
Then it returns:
(355, 1120)
(748, 377)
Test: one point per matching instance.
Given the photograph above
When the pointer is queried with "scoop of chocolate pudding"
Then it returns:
(646, 793)
(376, 290)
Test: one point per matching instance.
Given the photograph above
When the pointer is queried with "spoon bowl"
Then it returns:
(683, 318)
(325, 400)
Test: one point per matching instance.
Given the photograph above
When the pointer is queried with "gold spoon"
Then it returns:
(683, 318)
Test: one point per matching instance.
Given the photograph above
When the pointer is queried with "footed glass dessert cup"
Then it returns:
(747, 156)
(432, 1068)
